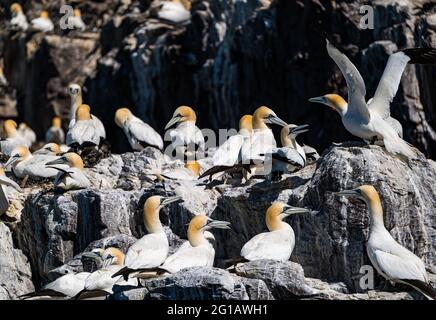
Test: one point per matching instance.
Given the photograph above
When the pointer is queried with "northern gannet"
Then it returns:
(5, 181)
(55, 133)
(27, 133)
(12, 138)
(23, 164)
(394, 262)
(77, 21)
(152, 249)
(175, 11)
(291, 155)
(85, 128)
(43, 23)
(187, 137)
(370, 121)
(70, 175)
(49, 149)
(19, 20)
(75, 92)
(139, 134)
(3, 81)
(279, 242)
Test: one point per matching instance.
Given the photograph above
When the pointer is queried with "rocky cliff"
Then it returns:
(50, 231)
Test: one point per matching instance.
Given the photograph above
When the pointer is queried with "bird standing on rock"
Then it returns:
(19, 20)
(75, 92)
(43, 23)
(139, 134)
(12, 138)
(85, 128)
(394, 262)
(55, 133)
(76, 21)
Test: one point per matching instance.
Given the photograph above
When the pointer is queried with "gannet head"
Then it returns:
(182, 114)
(185, 3)
(19, 154)
(44, 15)
(112, 256)
(277, 212)
(77, 13)
(263, 116)
(73, 160)
(74, 90)
(83, 112)
(290, 132)
(121, 116)
(16, 9)
(10, 128)
(152, 207)
(246, 124)
(56, 122)
(201, 223)
(49, 148)
(332, 100)
(194, 167)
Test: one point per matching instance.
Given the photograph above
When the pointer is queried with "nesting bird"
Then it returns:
(85, 128)
(152, 249)
(186, 138)
(279, 242)
(372, 121)
(43, 23)
(52, 149)
(175, 11)
(70, 172)
(19, 20)
(76, 20)
(55, 133)
(394, 262)
(12, 138)
(139, 134)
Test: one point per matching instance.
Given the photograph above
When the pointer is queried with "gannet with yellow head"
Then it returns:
(27, 133)
(152, 249)
(70, 172)
(370, 121)
(19, 20)
(11, 138)
(24, 164)
(186, 137)
(55, 133)
(3, 81)
(77, 21)
(279, 242)
(85, 128)
(75, 92)
(394, 262)
(4, 182)
(175, 11)
(43, 23)
(49, 149)
(138, 133)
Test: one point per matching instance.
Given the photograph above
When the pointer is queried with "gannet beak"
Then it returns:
(318, 100)
(167, 201)
(299, 129)
(294, 210)
(61, 160)
(348, 193)
(12, 160)
(172, 122)
(276, 120)
(218, 224)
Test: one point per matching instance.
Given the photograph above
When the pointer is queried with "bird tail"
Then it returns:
(426, 289)
(394, 144)
(124, 272)
(42, 293)
(88, 294)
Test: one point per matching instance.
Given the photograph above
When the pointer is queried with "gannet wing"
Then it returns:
(187, 256)
(148, 252)
(355, 83)
(228, 153)
(288, 155)
(9, 182)
(69, 285)
(268, 245)
(408, 267)
(144, 133)
(102, 279)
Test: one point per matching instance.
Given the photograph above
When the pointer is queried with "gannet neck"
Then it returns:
(83, 113)
(246, 124)
(259, 124)
(286, 140)
(274, 217)
(336, 102)
(151, 215)
(373, 202)
(2, 171)
(56, 122)
(195, 231)
(116, 253)
(194, 167)
(10, 128)
(121, 116)
(77, 13)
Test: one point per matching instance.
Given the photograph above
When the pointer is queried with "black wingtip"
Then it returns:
(425, 288)
(421, 55)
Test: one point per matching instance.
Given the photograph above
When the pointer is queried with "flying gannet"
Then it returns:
(152, 249)
(55, 133)
(72, 177)
(279, 242)
(371, 121)
(27, 133)
(23, 164)
(75, 92)
(394, 262)
(19, 20)
(85, 128)
(12, 138)
(291, 156)
(5, 181)
(43, 23)
(186, 138)
(139, 134)
(175, 11)
(76, 21)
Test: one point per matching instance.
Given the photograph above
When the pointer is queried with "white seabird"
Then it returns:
(55, 133)
(43, 23)
(175, 11)
(371, 121)
(70, 174)
(76, 21)
(186, 138)
(27, 133)
(152, 249)
(279, 242)
(12, 138)
(394, 262)
(75, 92)
(19, 20)
(5, 181)
(138, 133)
(49, 149)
